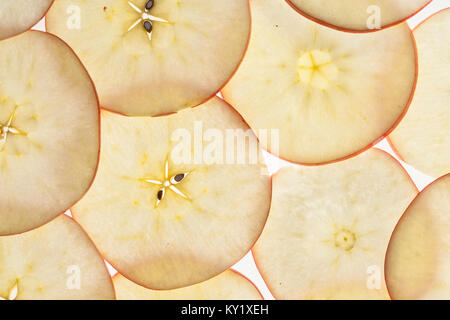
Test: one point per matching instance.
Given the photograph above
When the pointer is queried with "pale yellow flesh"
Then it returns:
(54, 262)
(423, 137)
(329, 227)
(185, 63)
(329, 93)
(359, 15)
(49, 160)
(17, 16)
(182, 241)
(418, 258)
(226, 286)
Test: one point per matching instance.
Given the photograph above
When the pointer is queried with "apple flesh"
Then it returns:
(359, 15)
(54, 262)
(418, 257)
(193, 49)
(167, 222)
(423, 137)
(330, 94)
(17, 16)
(329, 227)
(229, 285)
(49, 130)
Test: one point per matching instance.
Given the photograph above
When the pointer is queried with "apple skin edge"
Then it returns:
(398, 223)
(275, 174)
(328, 25)
(99, 136)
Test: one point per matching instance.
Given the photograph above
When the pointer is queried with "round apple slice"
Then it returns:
(418, 256)
(17, 16)
(167, 214)
(423, 137)
(49, 130)
(229, 285)
(358, 15)
(330, 94)
(329, 227)
(173, 55)
(56, 261)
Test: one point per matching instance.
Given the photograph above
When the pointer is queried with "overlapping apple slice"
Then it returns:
(54, 262)
(49, 130)
(418, 256)
(330, 94)
(423, 137)
(359, 15)
(229, 285)
(17, 16)
(329, 227)
(155, 57)
(167, 214)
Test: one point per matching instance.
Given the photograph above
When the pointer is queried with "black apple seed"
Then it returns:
(149, 5)
(160, 194)
(148, 26)
(179, 177)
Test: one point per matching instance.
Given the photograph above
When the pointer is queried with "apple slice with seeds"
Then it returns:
(155, 57)
(54, 262)
(49, 130)
(17, 16)
(418, 256)
(329, 227)
(359, 15)
(330, 94)
(423, 137)
(165, 221)
(229, 285)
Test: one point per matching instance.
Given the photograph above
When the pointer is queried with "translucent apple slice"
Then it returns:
(175, 55)
(229, 285)
(418, 256)
(330, 94)
(329, 227)
(359, 15)
(165, 219)
(49, 130)
(17, 16)
(54, 262)
(423, 137)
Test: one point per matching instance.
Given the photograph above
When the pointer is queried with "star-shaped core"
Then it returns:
(12, 292)
(7, 129)
(170, 182)
(145, 17)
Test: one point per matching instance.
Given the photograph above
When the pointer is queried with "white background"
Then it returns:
(247, 265)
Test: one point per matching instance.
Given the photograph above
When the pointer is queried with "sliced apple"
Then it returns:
(194, 47)
(329, 227)
(49, 130)
(423, 137)
(330, 94)
(418, 256)
(227, 286)
(54, 262)
(359, 15)
(17, 16)
(165, 221)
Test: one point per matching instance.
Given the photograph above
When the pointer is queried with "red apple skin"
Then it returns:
(396, 228)
(275, 174)
(213, 95)
(351, 30)
(99, 137)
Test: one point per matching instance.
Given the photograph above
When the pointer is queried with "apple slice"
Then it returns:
(229, 285)
(358, 15)
(17, 16)
(49, 130)
(329, 227)
(167, 220)
(330, 94)
(54, 262)
(423, 137)
(418, 256)
(176, 54)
